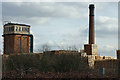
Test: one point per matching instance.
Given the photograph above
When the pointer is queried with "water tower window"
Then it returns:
(23, 28)
(12, 28)
(9, 29)
(26, 29)
(6, 29)
(16, 28)
(19, 28)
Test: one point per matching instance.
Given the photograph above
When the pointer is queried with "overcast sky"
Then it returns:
(66, 23)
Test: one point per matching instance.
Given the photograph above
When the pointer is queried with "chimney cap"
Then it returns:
(91, 6)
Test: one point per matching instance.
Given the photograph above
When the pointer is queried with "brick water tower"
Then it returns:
(17, 38)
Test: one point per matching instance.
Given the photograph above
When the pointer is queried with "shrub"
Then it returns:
(28, 63)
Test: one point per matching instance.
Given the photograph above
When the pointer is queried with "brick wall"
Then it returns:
(8, 44)
(110, 65)
(16, 44)
(90, 49)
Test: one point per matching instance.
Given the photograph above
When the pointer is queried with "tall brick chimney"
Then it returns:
(91, 24)
(91, 47)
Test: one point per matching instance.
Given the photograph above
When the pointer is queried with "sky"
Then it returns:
(64, 24)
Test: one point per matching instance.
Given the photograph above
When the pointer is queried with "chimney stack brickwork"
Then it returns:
(91, 24)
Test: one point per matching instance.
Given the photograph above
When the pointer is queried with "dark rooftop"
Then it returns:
(16, 24)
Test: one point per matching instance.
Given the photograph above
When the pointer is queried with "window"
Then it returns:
(12, 28)
(9, 29)
(19, 28)
(25, 29)
(6, 29)
(16, 28)
(22, 28)
(28, 29)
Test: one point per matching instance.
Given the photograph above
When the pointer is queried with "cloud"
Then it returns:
(107, 50)
(43, 10)
(74, 37)
(108, 23)
(106, 26)
(29, 20)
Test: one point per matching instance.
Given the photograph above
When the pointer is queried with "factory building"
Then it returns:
(17, 38)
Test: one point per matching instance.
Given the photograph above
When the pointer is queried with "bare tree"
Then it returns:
(44, 47)
(73, 47)
(70, 47)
